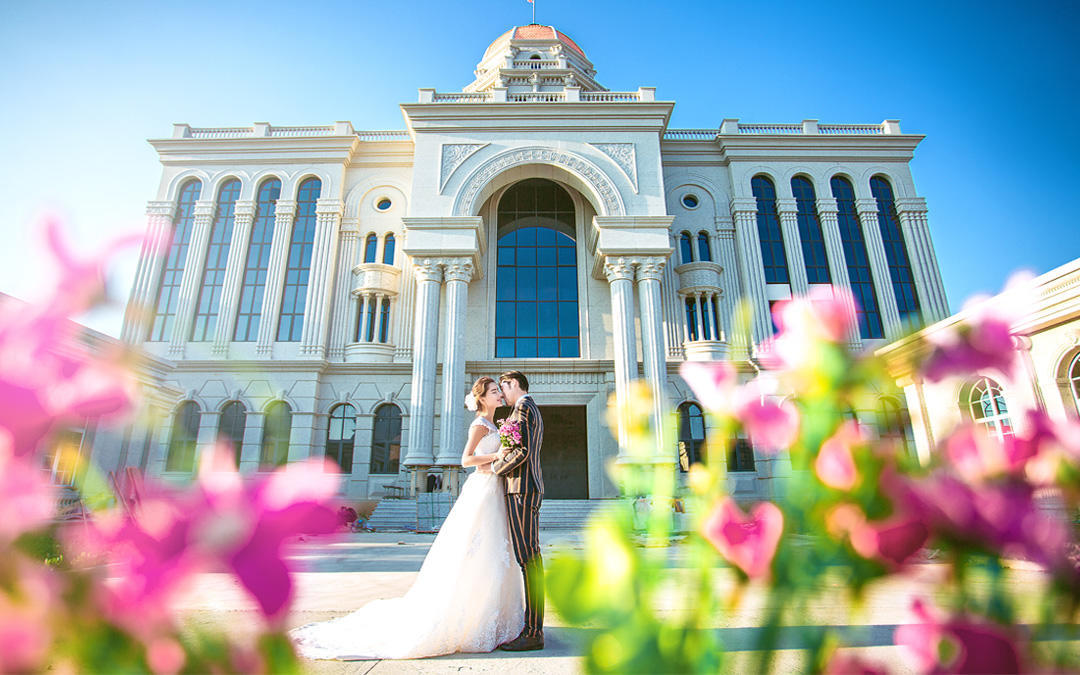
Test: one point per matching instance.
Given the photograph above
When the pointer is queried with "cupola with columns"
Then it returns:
(534, 58)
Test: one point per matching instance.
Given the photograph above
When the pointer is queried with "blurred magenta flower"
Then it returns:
(824, 315)
(983, 341)
(25, 633)
(747, 541)
(29, 500)
(893, 541)
(976, 456)
(852, 664)
(713, 382)
(960, 645)
(835, 465)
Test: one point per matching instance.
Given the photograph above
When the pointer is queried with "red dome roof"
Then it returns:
(535, 31)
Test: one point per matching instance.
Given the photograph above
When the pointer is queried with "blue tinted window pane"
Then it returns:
(506, 255)
(545, 256)
(548, 348)
(548, 319)
(567, 256)
(545, 284)
(172, 269)
(686, 248)
(527, 237)
(772, 239)
(567, 283)
(704, 250)
(294, 295)
(526, 283)
(526, 257)
(568, 319)
(253, 288)
(217, 254)
(525, 325)
(813, 242)
(858, 264)
(903, 283)
(526, 348)
(505, 281)
(388, 250)
(569, 348)
(369, 248)
(504, 348)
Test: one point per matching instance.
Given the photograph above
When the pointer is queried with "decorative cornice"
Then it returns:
(453, 156)
(329, 206)
(742, 206)
(827, 205)
(159, 209)
(625, 157)
(285, 208)
(244, 208)
(787, 206)
(866, 206)
(911, 205)
(204, 208)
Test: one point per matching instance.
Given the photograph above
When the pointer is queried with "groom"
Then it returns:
(524, 492)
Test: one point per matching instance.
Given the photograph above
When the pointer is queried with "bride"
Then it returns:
(468, 596)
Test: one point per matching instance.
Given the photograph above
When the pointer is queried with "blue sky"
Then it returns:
(992, 85)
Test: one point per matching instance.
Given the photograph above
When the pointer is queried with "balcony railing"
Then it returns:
(805, 128)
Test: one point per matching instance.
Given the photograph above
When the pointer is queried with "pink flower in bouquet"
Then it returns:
(960, 644)
(747, 541)
(510, 434)
(835, 465)
(28, 498)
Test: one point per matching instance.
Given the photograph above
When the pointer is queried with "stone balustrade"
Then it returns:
(804, 128)
(699, 276)
(376, 278)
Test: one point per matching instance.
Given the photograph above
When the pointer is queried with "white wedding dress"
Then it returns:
(468, 596)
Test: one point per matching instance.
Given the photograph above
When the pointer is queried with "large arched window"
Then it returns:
(536, 311)
(686, 248)
(893, 421)
(370, 244)
(217, 257)
(386, 440)
(986, 404)
(773, 255)
(341, 436)
(1074, 382)
(231, 427)
(249, 313)
(277, 427)
(704, 249)
(388, 249)
(185, 432)
(294, 292)
(813, 242)
(903, 283)
(858, 263)
(172, 268)
(691, 435)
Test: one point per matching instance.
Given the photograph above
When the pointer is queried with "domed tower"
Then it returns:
(534, 58)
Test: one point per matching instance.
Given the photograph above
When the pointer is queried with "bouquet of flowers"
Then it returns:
(510, 434)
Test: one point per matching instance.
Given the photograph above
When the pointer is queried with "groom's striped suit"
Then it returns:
(524, 493)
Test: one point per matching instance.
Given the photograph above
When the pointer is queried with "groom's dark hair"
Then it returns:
(517, 375)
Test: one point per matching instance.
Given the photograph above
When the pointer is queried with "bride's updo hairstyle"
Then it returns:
(479, 388)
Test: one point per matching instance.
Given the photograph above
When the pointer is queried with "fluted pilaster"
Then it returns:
(751, 266)
(879, 266)
(243, 217)
(285, 212)
(789, 225)
(428, 276)
(458, 273)
(193, 270)
(321, 278)
(155, 247)
(673, 316)
(920, 248)
(344, 306)
(828, 216)
(727, 258)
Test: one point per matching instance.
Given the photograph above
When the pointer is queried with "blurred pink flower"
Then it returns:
(826, 313)
(835, 465)
(848, 663)
(983, 340)
(713, 382)
(25, 633)
(165, 656)
(771, 425)
(960, 644)
(29, 500)
(747, 541)
(976, 456)
(893, 541)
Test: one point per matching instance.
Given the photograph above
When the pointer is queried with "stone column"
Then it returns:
(879, 266)
(672, 307)
(828, 216)
(789, 225)
(302, 436)
(383, 299)
(244, 215)
(920, 248)
(252, 444)
(321, 278)
(725, 255)
(140, 307)
(343, 300)
(649, 273)
(457, 272)
(751, 266)
(193, 271)
(620, 276)
(428, 276)
(699, 317)
(285, 212)
(207, 436)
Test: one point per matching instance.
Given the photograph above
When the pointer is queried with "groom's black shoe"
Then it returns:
(524, 643)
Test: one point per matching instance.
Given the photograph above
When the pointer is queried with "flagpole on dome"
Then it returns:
(533, 3)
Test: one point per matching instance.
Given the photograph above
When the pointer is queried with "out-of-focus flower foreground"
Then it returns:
(856, 507)
(98, 594)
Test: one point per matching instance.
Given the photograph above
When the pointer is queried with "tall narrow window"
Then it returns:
(386, 440)
(691, 319)
(813, 242)
(294, 293)
(370, 244)
(903, 283)
(704, 249)
(185, 432)
(217, 257)
(691, 435)
(686, 248)
(277, 427)
(359, 332)
(858, 263)
(986, 404)
(388, 249)
(1074, 382)
(231, 427)
(893, 422)
(716, 319)
(257, 262)
(772, 239)
(341, 436)
(172, 268)
(740, 455)
(369, 321)
(707, 319)
(536, 310)
(384, 321)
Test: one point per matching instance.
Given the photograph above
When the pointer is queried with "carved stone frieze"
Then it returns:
(625, 157)
(453, 156)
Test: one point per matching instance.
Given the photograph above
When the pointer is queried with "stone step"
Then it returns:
(393, 514)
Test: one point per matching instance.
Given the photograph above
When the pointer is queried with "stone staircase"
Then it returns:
(570, 514)
(394, 514)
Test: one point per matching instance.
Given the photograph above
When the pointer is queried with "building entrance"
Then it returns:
(564, 456)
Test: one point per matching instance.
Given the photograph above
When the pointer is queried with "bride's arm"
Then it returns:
(469, 458)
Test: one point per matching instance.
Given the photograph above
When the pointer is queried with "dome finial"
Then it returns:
(533, 3)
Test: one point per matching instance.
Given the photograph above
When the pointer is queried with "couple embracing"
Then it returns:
(482, 583)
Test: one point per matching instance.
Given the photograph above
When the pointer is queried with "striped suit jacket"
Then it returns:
(521, 467)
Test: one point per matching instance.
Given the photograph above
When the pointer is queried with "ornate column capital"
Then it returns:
(827, 205)
(427, 269)
(329, 206)
(650, 268)
(911, 205)
(204, 208)
(787, 206)
(285, 208)
(458, 269)
(245, 208)
(724, 222)
(743, 205)
(619, 268)
(156, 208)
(867, 207)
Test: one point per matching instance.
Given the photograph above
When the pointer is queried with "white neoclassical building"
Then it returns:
(321, 289)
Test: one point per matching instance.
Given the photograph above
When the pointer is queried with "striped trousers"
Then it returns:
(523, 511)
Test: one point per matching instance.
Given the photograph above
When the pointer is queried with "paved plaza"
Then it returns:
(346, 574)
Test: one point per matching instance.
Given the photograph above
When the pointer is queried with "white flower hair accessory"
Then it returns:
(470, 402)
